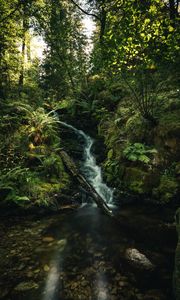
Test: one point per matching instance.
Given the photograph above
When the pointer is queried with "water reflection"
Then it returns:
(101, 288)
(53, 283)
(89, 260)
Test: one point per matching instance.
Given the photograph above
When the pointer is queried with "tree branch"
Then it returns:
(12, 12)
(84, 11)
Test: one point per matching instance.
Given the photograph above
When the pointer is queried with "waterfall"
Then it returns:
(90, 169)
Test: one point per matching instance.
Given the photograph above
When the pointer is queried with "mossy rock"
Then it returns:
(177, 169)
(118, 89)
(123, 114)
(137, 128)
(169, 125)
(171, 119)
(176, 277)
(167, 135)
(139, 181)
(166, 190)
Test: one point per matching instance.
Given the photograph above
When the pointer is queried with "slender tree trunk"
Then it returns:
(25, 27)
(21, 77)
(103, 24)
(173, 9)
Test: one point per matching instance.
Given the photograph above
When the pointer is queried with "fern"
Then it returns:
(138, 152)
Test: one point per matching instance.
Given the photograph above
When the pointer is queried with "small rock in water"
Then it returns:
(24, 286)
(21, 267)
(98, 254)
(62, 243)
(46, 268)
(48, 239)
(30, 274)
(138, 259)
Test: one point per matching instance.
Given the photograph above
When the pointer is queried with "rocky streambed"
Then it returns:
(85, 255)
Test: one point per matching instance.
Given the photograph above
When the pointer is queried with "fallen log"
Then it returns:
(74, 171)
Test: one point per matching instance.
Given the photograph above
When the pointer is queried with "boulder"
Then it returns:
(138, 260)
(177, 259)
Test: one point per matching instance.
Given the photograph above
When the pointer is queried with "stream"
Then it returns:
(89, 168)
(85, 255)
(82, 255)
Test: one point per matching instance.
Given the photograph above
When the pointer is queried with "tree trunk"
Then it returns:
(73, 170)
(173, 9)
(25, 27)
(103, 24)
(21, 76)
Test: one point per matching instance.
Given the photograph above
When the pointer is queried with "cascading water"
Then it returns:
(90, 169)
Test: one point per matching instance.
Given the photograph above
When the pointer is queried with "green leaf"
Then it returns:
(170, 28)
(21, 198)
(132, 157)
(139, 146)
(144, 159)
(153, 151)
(110, 154)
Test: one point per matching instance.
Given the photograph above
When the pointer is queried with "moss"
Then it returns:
(118, 89)
(169, 125)
(177, 169)
(139, 181)
(167, 189)
(136, 128)
(123, 114)
(45, 192)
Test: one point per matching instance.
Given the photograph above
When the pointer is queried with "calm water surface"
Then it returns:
(82, 255)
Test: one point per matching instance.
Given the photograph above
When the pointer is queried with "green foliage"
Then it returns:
(136, 128)
(52, 167)
(139, 33)
(64, 67)
(41, 127)
(138, 152)
(33, 142)
(10, 184)
(125, 89)
(111, 168)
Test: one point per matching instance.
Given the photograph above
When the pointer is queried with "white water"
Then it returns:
(90, 169)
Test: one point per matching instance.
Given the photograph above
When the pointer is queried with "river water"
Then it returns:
(82, 255)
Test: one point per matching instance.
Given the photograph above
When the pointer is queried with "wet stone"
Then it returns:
(138, 259)
(61, 243)
(30, 274)
(122, 284)
(46, 268)
(98, 254)
(24, 286)
(21, 267)
(48, 239)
